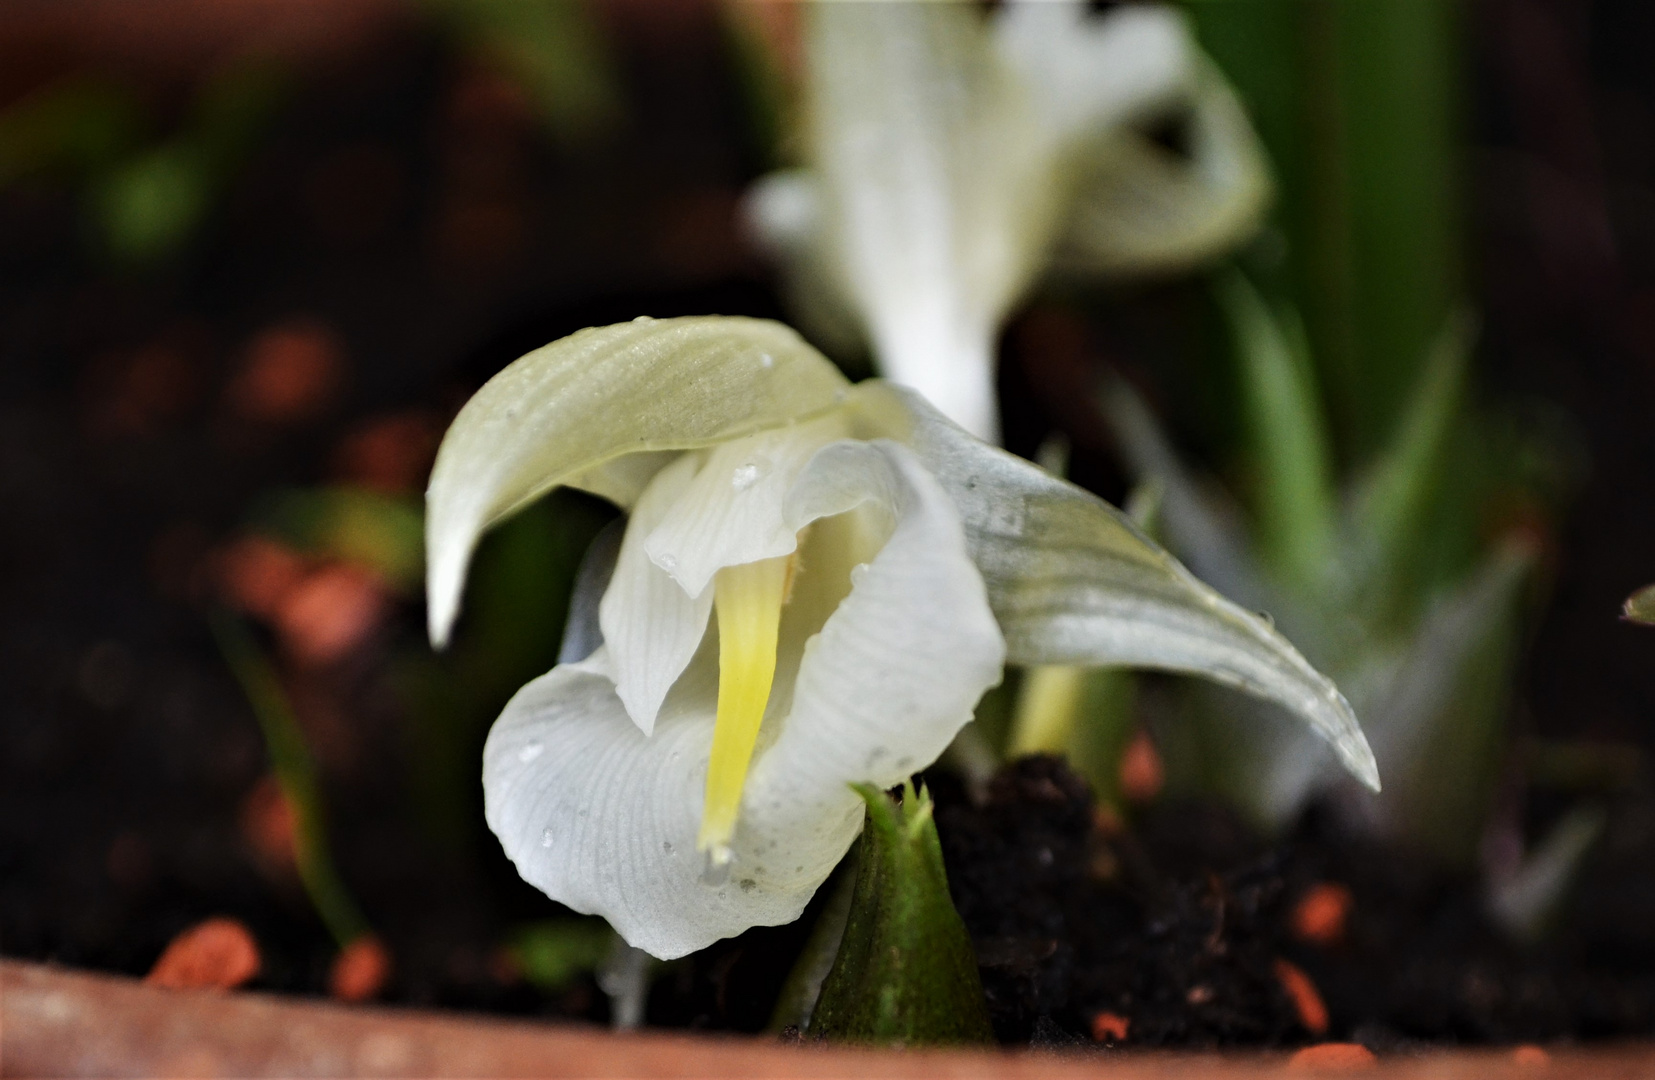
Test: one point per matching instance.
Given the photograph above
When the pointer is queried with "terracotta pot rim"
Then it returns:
(60, 1022)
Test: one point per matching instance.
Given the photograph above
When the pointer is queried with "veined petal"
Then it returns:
(936, 203)
(604, 820)
(1073, 581)
(561, 413)
(731, 512)
(651, 626)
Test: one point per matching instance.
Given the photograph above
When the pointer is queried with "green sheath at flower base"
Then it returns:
(906, 973)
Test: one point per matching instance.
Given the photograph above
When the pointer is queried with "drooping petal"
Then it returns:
(651, 626)
(604, 819)
(562, 413)
(731, 512)
(1073, 581)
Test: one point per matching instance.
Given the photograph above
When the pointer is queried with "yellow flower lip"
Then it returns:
(748, 600)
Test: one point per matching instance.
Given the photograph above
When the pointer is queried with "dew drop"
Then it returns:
(669, 563)
(767, 361)
(1269, 619)
(666, 846)
(858, 572)
(644, 318)
(744, 477)
(529, 752)
(546, 838)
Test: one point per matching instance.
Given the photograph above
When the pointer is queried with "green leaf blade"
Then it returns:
(1290, 446)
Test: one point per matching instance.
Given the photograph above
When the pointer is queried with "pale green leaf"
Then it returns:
(570, 412)
(1395, 498)
(1295, 500)
(1072, 580)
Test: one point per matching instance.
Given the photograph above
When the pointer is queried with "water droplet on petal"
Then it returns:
(744, 477)
(669, 563)
(546, 838)
(529, 752)
(666, 846)
(767, 361)
(717, 870)
(858, 572)
(644, 318)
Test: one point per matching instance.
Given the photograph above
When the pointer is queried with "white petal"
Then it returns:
(935, 190)
(1089, 72)
(731, 513)
(898, 667)
(562, 413)
(651, 626)
(604, 820)
(1073, 581)
(1142, 209)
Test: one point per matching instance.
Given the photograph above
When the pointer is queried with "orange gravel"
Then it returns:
(1307, 1001)
(219, 954)
(1108, 1027)
(1141, 772)
(1320, 916)
(360, 971)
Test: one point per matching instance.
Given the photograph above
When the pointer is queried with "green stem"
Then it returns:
(296, 775)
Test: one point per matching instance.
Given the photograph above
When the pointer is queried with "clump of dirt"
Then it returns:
(1190, 930)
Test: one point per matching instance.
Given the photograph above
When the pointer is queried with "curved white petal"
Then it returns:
(563, 412)
(1073, 580)
(1093, 72)
(604, 819)
(731, 513)
(651, 626)
(1140, 208)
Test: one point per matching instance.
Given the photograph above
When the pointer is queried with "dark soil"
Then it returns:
(1179, 924)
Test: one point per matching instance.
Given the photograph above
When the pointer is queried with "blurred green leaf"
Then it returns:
(1358, 103)
(150, 204)
(906, 973)
(296, 774)
(1289, 442)
(1640, 606)
(70, 126)
(550, 48)
(1439, 724)
(554, 953)
(1394, 500)
(385, 533)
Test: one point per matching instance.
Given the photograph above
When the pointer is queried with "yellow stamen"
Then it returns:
(748, 600)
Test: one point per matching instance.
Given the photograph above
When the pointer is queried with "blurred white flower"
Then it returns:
(952, 159)
(871, 567)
